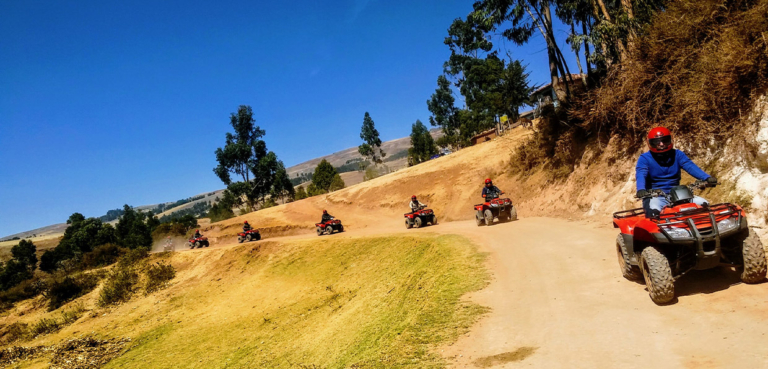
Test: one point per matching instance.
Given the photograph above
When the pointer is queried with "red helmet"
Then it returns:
(660, 140)
(413, 197)
(246, 222)
(488, 181)
(325, 211)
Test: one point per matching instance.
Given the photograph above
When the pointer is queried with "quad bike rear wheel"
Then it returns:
(512, 214)
(408, 224)
(341, 228)
(434, 219)
(479, 218)
(658, 275)
(488, 217)
(239, 239)
(248, 237)
(258, 236)
(417, 222)
(329, 229)
(197, 244)
(319, 231)
(754, 259)
(190, 245)
(628, 270)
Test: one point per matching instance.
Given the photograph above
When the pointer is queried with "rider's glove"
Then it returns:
(642, 194)
(711, 181)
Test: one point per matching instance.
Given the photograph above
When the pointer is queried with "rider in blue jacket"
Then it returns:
(660, 168)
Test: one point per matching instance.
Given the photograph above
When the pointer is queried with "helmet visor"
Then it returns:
(660, 143)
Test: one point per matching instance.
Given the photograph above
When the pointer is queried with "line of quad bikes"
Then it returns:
(657, 249)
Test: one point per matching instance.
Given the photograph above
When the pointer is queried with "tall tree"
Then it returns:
(371, 147)
(422, 144)
(323, 176)
(441, 105)
(245, 155)
(282, 187)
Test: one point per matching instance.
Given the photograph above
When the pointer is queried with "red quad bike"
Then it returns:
(495, 208)
(328, 227)
(249, 236)
(198, 242)
(419, 218)
(684, 237)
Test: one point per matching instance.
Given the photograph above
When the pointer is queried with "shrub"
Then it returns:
(15, 331)
(119, 286)
(132, 256)
(101, 256)
(61, 291)
(24, 290)
(157, 276)
(71, 315)
(44, 326)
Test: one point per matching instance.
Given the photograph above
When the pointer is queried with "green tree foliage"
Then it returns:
(323, 176)
(313, 190)
(422, 144)
(282, 188)
(444, 113)
(134, 229)
(336, 183)
(176, 226)
(371, 147)
(245, 155)
(81, 236)
(223, 208)
(301, 193)
(25, 253)
(21, 266)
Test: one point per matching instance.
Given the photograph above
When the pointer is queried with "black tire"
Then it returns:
(248, 237)
(658, 275)
(434, 219)
(341, 228)
(488, 217)
(512, 214)
(190, 245)
(258, 236)
(197, 244)
(417, 222)
(239, 239)
(319, 231)
(408, 224)
(206, 244)
(329, 229)
(754, 259)
(479, 218)
(629, 271)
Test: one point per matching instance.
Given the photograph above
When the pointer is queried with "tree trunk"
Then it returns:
(553, 62)
(627, 6)
(556, 54)
(578, 58)
(586, 49)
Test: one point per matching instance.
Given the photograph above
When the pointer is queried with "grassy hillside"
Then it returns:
(330, 302)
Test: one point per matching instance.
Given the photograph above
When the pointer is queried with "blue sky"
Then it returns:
(104, 103)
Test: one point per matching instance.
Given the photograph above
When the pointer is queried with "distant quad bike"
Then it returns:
(249, 236)
(198, 242)
(684, 237)
(419, 218)
(328, 227)
(495, 207)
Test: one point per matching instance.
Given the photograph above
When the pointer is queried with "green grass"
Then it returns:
(329, 303)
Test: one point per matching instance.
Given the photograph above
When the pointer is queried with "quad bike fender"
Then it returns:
(480, 207)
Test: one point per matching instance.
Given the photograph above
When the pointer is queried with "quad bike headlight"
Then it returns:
(678, 233)
(726, 225)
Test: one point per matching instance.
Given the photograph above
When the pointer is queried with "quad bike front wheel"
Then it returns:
(329, 230)
(488, 217)
(628, 270)
(658, 275)
(434, 220)
(319, 231)
(408, 224)
(417, 222)
(197, 244)
(754, 259)
(512, 214)
(248, 237)
(479, 218)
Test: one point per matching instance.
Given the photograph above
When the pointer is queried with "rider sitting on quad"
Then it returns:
(326, 216)
(197, 234)
(415, 204)
(660, 167)
(246, 226)
(490, 191)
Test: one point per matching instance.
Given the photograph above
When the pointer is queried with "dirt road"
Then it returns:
(558, 298)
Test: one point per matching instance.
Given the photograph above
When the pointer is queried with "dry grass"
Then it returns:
(366, 302)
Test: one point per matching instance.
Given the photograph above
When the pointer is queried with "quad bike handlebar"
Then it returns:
(699, 184)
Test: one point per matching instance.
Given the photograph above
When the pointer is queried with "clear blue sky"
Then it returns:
(104, 103)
